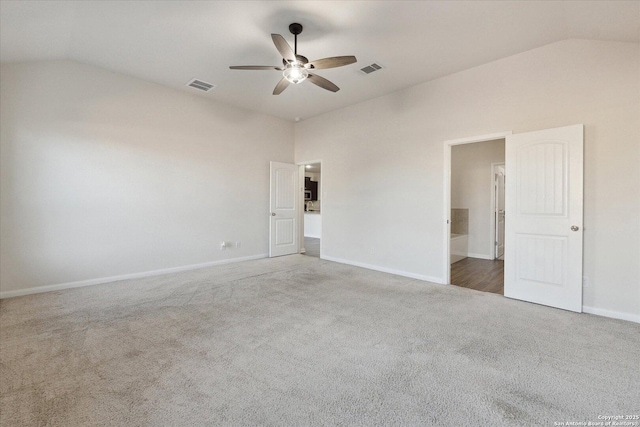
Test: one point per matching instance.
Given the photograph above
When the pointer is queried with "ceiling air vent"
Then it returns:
(371, 68)
(200, 85)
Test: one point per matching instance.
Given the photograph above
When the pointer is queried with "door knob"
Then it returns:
(273, 214)
(575, 228)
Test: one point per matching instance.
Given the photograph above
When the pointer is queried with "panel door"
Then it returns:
(283, 225)
(543, 248)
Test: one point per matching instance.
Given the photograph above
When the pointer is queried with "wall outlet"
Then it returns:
(585, 282)
(229, 245)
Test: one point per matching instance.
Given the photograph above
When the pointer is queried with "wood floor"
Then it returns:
(479, 274)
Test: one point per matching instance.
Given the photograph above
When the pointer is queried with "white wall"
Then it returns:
(471, 188)
(382, 160)
(313, 225)
(105, 175)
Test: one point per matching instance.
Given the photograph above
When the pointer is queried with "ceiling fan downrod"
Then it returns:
(295, 29)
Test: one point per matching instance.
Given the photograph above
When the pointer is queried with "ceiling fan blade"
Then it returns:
(283, 47)
(322, 82)
(333, 62)
(282, 85)
(255, 67)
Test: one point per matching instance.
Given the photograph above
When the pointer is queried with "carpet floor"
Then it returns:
(297, 341)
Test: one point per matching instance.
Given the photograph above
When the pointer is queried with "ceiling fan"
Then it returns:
(295, 68)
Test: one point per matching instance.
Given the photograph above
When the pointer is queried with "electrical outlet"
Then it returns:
(238, 244)
(585, 282)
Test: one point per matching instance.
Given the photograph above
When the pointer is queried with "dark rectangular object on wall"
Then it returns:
(313, 187)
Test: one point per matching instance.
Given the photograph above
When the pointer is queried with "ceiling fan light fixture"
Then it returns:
(295, 74)
(295, 67)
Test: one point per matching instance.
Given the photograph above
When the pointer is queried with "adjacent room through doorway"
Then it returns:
(312, 217)
(477, 216)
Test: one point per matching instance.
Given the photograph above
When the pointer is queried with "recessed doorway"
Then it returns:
(312, 208)
(476, 213)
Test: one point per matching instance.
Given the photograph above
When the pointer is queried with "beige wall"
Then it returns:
(471, 186)
(382, 160)
(106, 175)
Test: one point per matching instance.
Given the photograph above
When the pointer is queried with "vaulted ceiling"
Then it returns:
(172, 42)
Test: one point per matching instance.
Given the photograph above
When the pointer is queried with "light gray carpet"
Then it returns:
(299, 341)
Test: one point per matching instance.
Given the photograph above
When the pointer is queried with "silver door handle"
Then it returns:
(273, 214)
(575, 228)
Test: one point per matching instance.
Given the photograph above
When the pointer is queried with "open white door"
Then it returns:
(283, 225)
(543, 253)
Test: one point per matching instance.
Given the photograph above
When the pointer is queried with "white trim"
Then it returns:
(446, 265)
(480, 138)
(494, 213)
(437, 280)
(480, 256)
(102, 280)
(446, 270)
(301, 207)
(612, 314)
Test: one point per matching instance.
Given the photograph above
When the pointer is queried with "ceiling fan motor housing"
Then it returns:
(302, 60)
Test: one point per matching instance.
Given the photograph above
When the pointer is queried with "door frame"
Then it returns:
(447, 193)
(494, 212)
(301, 168)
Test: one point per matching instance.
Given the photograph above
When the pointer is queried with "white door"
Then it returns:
(283, 226)
(543, 248)
(499, 211)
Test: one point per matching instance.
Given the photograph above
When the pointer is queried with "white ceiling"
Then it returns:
(171, 42)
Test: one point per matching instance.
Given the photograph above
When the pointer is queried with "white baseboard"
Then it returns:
(613, 314)
(102, 280)
(437, 280)
(480, 256)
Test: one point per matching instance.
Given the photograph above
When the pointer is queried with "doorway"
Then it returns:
(311, 212)
(474, 203)
(543, 214)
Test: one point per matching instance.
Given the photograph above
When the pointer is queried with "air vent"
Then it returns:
(371, 68)
(200, 85)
